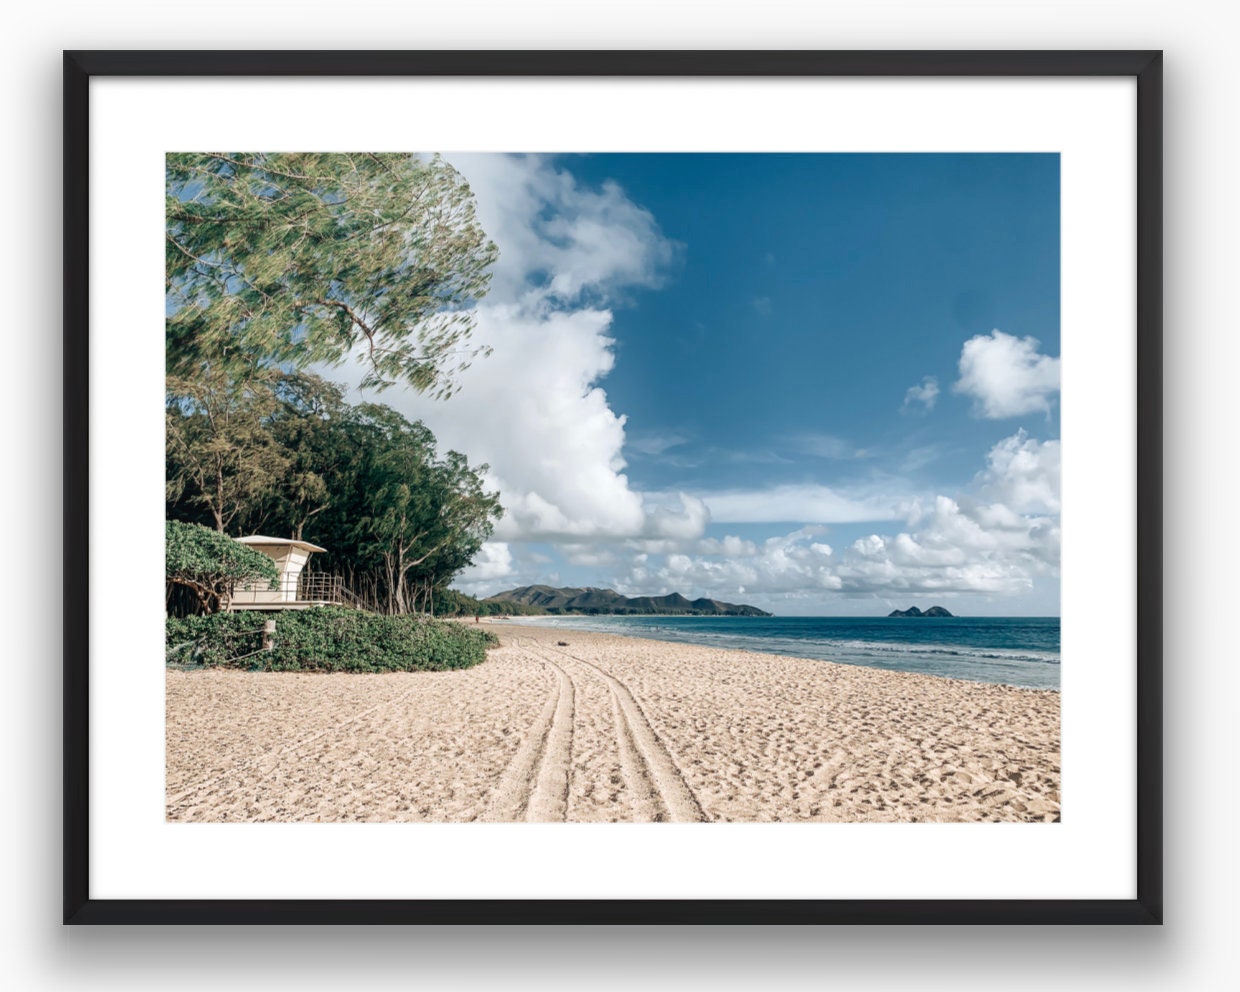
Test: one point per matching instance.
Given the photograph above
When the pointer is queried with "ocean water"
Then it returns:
(1020, 651)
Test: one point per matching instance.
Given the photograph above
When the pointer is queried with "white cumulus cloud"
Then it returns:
(686, 519)
(534, 411)
(1023, 473)
(1006, 376)
(493, 561)
(925, 393)
(560, 241)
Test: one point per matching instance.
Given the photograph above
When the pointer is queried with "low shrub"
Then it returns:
(327, 639)
(208, 563)
(212, 639)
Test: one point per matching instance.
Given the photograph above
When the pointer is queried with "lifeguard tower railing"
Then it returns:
(309, 589)
(321, 587)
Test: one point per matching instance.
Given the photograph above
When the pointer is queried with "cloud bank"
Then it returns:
(998, 541)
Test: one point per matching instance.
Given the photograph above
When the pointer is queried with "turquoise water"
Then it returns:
(1021, 651)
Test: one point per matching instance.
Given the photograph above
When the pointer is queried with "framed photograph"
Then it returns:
(613, 487)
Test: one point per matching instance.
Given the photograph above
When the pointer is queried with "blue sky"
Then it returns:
(813, 290)
(822, 384)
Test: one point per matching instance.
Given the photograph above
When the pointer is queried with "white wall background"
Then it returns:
(1192, 951)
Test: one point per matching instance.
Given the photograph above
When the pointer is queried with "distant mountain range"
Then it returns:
(912, 611)
(599, 601)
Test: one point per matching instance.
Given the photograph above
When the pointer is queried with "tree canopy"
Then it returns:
(292, 259)
(422, 518)
(399, 520)
(221, 454)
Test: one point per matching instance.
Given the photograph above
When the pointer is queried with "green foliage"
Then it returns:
(213, 639)
(420, 519)
(221, 454)
(397, 519)
(292, 259)
(308, 429)
(329, 639)
(209, 563)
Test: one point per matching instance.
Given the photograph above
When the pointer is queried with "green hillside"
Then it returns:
(600, 601)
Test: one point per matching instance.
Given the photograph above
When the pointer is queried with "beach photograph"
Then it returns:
(612, 488)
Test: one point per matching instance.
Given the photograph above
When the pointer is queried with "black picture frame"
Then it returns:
(1146, 66)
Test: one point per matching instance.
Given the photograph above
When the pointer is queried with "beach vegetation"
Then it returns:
(327, 639)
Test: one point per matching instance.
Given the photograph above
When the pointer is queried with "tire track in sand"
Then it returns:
(548, 801)
(534, 786)
(644, 759)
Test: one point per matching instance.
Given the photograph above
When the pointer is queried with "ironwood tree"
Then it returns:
(221, 455)
(310, 258)
(279, 263)
(425, 517)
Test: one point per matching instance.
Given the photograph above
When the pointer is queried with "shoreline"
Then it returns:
(648, 634)
(604, 728)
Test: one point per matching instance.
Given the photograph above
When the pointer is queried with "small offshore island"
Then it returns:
(912, 611)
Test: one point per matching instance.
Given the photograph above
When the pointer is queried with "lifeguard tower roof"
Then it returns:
(258, 540)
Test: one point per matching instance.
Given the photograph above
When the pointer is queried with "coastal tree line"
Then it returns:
(280, 264)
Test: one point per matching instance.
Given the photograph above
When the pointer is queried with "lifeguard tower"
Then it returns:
(294, 591)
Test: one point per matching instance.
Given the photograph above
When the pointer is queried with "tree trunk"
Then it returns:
(391, 582)
(217, 510)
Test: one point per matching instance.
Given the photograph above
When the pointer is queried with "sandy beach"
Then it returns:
(607, 729)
